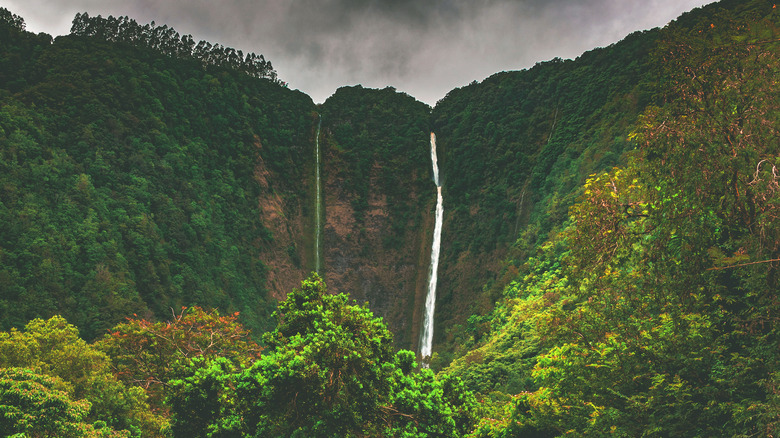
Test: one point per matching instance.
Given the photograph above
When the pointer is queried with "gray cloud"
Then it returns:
(424, 48)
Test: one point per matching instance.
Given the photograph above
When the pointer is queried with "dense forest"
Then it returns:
(609, 262)
(130, 178)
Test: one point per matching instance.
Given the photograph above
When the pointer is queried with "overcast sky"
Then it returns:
(424, 47)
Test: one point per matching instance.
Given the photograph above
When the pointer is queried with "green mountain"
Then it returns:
(610, 246)
(131, 178)
(647, 312)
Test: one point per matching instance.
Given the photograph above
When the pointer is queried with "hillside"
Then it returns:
(648, 313)
(131, 181)
(517, 147)
(182, 174)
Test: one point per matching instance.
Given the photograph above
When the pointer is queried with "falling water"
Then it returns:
(426, 342)
(317, 200)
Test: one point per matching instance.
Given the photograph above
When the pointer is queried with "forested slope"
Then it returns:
(144, 172)
(651, 311)
(131, 178)
(611, 241)
(516, 147)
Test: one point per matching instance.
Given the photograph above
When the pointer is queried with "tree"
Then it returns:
(12, 20)
(150, 354)
(53, 348)
(34, 405)
(329, 371)
(203, 400)
(324, 376)
(425, 405)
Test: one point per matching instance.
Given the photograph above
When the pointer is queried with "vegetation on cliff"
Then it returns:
(378, 194)
(381, 128)
(516, 149)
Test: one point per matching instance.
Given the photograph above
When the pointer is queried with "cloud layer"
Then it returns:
(422, 48)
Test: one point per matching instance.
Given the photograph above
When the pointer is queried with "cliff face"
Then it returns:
(378, 198)
(513, 151)
(377, 208)
(284, 255)
(358, 258)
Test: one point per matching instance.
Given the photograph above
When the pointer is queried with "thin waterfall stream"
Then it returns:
(317, 199)
(426, 341)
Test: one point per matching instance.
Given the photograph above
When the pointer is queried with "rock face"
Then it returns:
(284, 256)
(378, 199)
(358, 259)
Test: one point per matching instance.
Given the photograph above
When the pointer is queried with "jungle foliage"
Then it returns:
(329, 370)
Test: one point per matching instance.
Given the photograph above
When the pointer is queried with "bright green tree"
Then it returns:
(325, 375)
(53, 348)
(203, 400)
(37, 405)
(425, 405)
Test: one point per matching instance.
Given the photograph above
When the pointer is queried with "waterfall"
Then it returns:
(317, 199)
(426, 341)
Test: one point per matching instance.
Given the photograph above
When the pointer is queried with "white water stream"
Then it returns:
(317, 200)
(426, 341)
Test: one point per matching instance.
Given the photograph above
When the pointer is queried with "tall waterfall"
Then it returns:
(317, 199)
(426, 342)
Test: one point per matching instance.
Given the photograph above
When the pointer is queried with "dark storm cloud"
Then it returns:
(424, 48)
